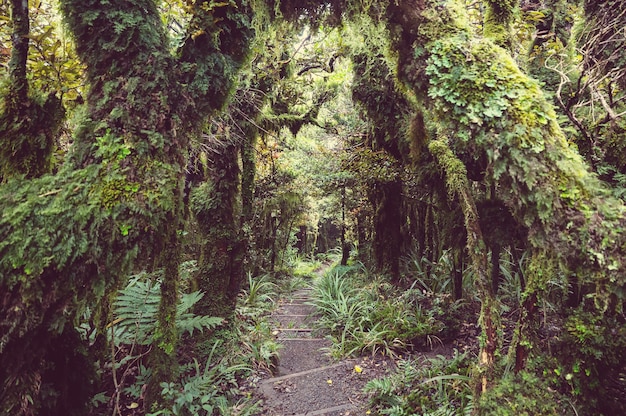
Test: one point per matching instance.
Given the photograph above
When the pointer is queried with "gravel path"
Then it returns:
(307, 381)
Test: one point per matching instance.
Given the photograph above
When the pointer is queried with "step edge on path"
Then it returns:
(328, 410)
(303, 339)
(294, 329)
(304, 373)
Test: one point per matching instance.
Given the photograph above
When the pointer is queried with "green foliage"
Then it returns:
(259, 294)
(65, 241)
(386, 107)
(305, 269)
(374, 317)
(523, 394)
(136, 306)
(591, 366)
(39, 225)
(432, 278)
(257, 342)
(439, 386)
(216, 46)
(196, 393)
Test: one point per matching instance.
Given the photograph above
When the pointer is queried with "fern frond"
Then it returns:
(190, 322)
(135, 311)
(188, 300)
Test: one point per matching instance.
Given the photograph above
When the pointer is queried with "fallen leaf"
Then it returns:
(133, 405)
(358, 369)
(330, 382)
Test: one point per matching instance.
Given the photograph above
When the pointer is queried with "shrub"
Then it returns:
(424, 387)
(523, 394)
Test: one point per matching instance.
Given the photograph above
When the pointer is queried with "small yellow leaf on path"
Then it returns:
(133, 405)
(358, 369)
(369, 412)
(330, 382)
(275, 332)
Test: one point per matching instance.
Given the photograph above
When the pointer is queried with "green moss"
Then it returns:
(28, 132)
(116, 191)
(497, 22)
(523, 394)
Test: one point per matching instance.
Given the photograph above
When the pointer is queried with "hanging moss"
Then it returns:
(489, 321)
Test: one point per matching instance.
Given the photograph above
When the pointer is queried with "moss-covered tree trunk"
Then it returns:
(217, 208)
(386, 200)
(500, 125)
(19, 52)
(68, 239)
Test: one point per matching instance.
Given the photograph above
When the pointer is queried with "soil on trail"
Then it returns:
(306, 380)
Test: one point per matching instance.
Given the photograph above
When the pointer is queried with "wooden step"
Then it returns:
(303, 339)
(270, 381)
(294, 329)
(328, 410)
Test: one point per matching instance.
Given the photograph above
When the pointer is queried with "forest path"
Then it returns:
(307, 381)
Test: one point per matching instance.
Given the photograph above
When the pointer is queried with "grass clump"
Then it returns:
(367, 314)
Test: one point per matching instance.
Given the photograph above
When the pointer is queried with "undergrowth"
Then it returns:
(214, 368)
(438, 386)
(366, 314)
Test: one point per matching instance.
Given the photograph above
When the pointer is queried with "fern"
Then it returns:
(187, 301)
(136, 307)
(192, 322)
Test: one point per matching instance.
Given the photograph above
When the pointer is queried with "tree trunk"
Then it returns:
(345, 246)
(19, 53)
(458, 185)
(217, 209)
(495, 267)
(458, 274)
(28, 126)
(163, 358)
(386, 199)
(120, 195)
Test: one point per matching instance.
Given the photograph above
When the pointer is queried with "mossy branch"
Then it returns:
(459, 186)
(498, 20)
(216, 47)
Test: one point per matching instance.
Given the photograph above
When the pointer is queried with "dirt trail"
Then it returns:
(307, 381)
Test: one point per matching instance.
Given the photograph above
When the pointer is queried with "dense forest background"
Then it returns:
(160, 155)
